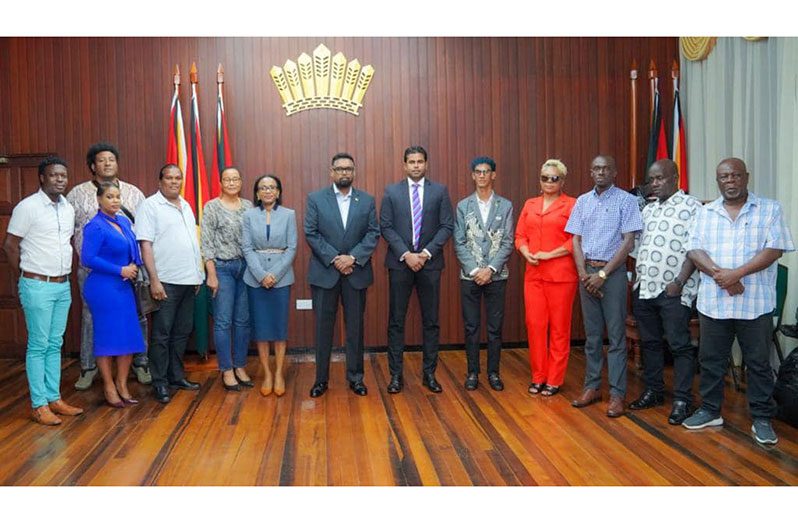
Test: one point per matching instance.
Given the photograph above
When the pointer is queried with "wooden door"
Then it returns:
(18, 179)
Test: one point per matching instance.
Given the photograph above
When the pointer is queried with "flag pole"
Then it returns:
(652, 80)
(633, 126)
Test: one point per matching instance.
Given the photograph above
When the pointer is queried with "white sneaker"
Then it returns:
(86, 379)
(702, 418)
(763, 432)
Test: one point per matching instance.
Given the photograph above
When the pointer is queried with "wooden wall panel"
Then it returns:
(520, 100)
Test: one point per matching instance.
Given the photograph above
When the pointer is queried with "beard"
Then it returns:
(343, 183)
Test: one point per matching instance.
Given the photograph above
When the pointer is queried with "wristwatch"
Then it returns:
(602, 274)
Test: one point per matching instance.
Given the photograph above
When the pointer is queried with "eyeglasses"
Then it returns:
(267, 188)
(343, 170)
(550, 179)
(599, 168)
(482, 172)
(231, 180)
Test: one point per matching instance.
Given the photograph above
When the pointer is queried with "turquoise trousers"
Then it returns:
(46, 306)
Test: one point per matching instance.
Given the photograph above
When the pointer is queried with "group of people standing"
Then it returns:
(723, 253)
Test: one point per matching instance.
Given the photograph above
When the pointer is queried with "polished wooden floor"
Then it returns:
(414, 438)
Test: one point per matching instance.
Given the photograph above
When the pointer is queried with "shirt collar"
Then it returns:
(485, 202)
(162, 199)
(410, 182)
(669, 201)
(597, 195)
(717, 204)
(46, 199)
(338, 192)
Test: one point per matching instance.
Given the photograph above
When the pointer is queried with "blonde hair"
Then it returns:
(557, 164)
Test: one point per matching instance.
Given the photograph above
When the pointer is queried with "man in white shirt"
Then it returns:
(103, 162)
(664, 290)
(38, 248)
(166, 230)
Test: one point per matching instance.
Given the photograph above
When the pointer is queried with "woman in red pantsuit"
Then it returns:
(550, 281)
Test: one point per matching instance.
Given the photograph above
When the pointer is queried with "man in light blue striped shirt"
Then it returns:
(735, 242)
(604, 222)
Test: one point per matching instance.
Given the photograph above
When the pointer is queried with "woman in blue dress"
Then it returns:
(111, 253)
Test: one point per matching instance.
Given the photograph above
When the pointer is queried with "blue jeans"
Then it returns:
(46, 306)
(231, 314)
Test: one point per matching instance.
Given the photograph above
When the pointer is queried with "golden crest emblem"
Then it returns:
(322, 82)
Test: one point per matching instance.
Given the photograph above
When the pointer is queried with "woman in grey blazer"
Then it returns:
(269, 244)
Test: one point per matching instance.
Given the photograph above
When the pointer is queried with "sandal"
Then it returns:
(535, 388)
(549, 390)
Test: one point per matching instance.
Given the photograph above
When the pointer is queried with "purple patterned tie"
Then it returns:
(416, 207)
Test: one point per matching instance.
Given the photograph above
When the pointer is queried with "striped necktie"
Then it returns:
(416, 208)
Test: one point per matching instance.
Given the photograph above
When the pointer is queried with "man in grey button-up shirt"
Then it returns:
(483, 241)
(166, 230)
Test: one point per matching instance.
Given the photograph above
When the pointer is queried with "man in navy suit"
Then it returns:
(416, 220)
(342, 231)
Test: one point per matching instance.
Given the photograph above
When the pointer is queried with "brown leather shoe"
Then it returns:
(588, 397)
(45, 416)
(60, 406)
(615, 408)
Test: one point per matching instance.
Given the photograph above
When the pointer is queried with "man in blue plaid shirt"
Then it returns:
(604, 222)
(735, 242)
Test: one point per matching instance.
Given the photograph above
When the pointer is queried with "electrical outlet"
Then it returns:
(304, 305)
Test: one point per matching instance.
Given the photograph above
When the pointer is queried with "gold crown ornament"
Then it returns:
(322, 82)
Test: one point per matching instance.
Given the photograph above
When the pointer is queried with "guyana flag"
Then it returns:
(176, 144)
(658, 141)
(678, 147)
(195, 192)
(222, 157)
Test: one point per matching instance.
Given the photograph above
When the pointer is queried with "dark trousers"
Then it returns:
(171, 327)
(754, 337)
(663, 319)
(609, 311)
(325, 303)
(471, 296)
(428, 287)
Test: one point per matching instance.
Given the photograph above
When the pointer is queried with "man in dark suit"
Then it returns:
(342, 231)
(416, 220)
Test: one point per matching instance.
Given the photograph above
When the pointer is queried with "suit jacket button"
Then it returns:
(268, 259)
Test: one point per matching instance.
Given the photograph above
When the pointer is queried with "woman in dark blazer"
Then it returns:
(269, 245)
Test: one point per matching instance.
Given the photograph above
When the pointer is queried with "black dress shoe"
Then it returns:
(431, 383)
(318, 389)
(244, 383)
(161, 393)
(472, 381)
(358, 387)
(234, 388)
(679, 413)
(647, 400)
(495, 381)
(395, 386)
(184, 384)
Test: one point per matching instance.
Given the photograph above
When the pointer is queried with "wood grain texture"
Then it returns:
(213, 437)
(520, 100)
